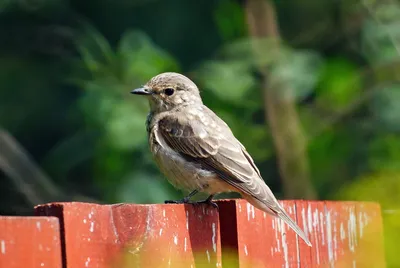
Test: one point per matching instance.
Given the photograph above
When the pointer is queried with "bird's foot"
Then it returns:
(180, 201)
(207, 202)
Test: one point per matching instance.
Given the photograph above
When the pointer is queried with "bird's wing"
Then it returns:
(204, 138)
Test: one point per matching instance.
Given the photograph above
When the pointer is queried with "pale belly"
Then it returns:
(187, 175)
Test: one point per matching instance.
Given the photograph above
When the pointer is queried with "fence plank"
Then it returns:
(262, 240)
(27, 242)
(129, 235)
(311, 218)
(343, 234)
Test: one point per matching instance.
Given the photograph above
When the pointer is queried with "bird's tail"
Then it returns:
(274, 208)
(281, 213)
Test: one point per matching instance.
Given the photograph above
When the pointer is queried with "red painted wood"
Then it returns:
(27, 242)
(263, 240)
(370, 248)
(129, 235)
(311, 218)
(343, 234)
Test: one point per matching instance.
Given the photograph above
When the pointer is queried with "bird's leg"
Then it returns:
(185, 200)
(208, 201)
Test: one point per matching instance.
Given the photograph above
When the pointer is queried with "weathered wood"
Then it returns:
(129, 235)
(343, 234)
(27, 242)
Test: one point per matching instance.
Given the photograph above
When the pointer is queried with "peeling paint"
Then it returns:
(214, 234)
(185, 245)
(187, 220)
(208, 256)
(284, 245)
(342, 232)
(309, 219)
(91, 229)
(3, 247)
(352, 230)
(329, 236)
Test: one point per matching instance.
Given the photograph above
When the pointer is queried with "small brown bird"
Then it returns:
(197, 151)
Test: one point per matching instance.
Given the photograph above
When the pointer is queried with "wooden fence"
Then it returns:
(74, 235)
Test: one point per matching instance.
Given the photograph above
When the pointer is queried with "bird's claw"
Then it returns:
(186, 201)
(207, 202)
(180, 201)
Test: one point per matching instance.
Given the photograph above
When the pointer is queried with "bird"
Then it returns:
(197, 151)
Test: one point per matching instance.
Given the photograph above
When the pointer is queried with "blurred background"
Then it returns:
(311, 88)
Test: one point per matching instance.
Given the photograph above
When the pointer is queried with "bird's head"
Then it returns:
(167, 91)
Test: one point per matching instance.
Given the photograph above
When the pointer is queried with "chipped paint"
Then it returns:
(245, 250)
(214, 234)
(284, 245)
(329, 236)
(208, 256)
(160, 232)
(175, 239)
(87, 262)
(187, 220)
(321, 223)
(91, 229)
(3, 247)
(185, 244)
(352, 230)
(84, 221)
(342, 232)
(309, 219)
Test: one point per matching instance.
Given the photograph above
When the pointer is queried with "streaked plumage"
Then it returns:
(196, 150)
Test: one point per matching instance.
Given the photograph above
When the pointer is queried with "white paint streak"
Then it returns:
(361, 224)
(163, 212)
(187, 220)
(208, 256)
(352, 230)
(214, 234)
(335, 239)
(342, 232)
(175, 239)
(3, 247)
(161, 230)
(245, 250)
(248, 209)
(38, 226)
(91, 229)
(284, 245)
(84, 221)
(303, 215)
(309, 219)
(185, 246)
(329, 236)
(87, 262)
(322, 229)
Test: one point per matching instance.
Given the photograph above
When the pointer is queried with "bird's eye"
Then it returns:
(169, 91)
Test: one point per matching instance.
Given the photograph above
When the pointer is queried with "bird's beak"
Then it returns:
(142, 91)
